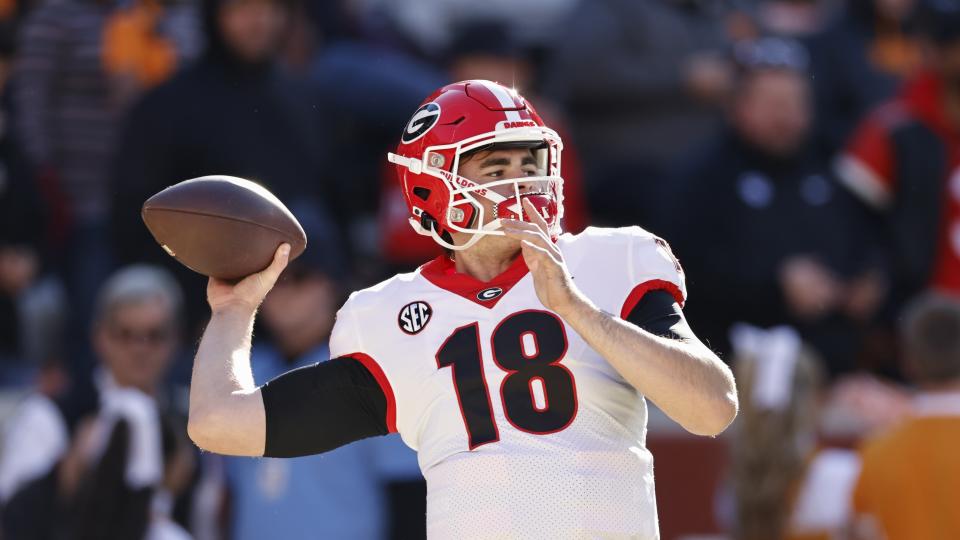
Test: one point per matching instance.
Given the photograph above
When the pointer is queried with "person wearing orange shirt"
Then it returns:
(909, 482)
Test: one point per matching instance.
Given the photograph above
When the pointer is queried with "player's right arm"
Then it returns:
(226, 408)
(305, 411)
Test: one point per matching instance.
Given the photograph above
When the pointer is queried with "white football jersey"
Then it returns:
(522, 430)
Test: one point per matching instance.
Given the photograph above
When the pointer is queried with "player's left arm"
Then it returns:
(682, 376)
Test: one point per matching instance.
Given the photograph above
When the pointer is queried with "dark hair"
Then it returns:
(488, 149)
(930, 332)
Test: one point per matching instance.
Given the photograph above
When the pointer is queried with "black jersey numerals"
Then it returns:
(461, 353)
(529, 346)
(543, 332)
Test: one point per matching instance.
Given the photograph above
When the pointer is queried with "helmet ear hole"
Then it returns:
(422, 192)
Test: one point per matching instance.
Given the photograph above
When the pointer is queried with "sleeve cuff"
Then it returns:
(654, 284)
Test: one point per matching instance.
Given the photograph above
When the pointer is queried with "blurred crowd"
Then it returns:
(802, 157)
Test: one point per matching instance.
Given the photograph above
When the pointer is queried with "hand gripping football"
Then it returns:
(222, 226)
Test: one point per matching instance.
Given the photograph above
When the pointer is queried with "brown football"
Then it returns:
(222, 226)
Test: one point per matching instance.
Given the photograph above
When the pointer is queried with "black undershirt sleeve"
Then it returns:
(318, 408)
(660, 314)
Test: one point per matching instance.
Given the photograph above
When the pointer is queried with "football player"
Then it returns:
(516, 365)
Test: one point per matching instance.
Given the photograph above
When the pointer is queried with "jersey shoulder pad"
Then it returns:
(346, 337)
(371, 297)
(647, 259)
(594, 241)
(642, 251)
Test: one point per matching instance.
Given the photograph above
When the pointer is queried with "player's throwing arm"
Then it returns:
(226, 407)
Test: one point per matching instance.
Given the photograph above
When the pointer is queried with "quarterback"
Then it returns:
(517, 364)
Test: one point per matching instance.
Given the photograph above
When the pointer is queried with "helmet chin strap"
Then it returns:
(475, 236)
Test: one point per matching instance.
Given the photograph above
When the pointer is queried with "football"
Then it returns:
(222, 226)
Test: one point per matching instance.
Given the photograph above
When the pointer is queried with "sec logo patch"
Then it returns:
(414, 317)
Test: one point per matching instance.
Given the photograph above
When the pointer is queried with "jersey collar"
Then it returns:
(442, 272)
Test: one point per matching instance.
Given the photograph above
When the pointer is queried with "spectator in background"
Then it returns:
(314, 496)
(234, 112)
(368, 89)
(68, 106)
(759, 220)
(110, 468)
(910, 479)
(858, 61)
(370, 79)
(786, 485)
(430, 26)
(66, 122)
(793, 472)
(30, 300)
(904, 162)
(144, 41)
(21, 243)
(642, 81)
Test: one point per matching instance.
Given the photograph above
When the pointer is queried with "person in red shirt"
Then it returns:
(904, 160)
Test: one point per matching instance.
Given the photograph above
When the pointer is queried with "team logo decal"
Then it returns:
(489, 294)
(507, 124)
(423, 120)
(414, 317)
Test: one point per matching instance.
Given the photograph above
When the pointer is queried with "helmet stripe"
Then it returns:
(505, 99)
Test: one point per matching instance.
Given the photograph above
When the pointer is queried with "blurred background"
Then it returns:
(802, 157)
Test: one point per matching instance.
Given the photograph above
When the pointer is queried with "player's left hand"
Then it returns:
(551, 278)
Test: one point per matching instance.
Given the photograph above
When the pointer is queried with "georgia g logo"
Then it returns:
(423, 120)
(414, 317)
(489, 294)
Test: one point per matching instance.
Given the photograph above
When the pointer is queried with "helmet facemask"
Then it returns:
(465, 211)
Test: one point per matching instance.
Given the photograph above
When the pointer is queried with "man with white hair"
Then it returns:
(107, 470)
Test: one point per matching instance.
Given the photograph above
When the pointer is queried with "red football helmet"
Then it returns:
(465, 117)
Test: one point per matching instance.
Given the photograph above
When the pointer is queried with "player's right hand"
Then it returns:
(250, 291)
